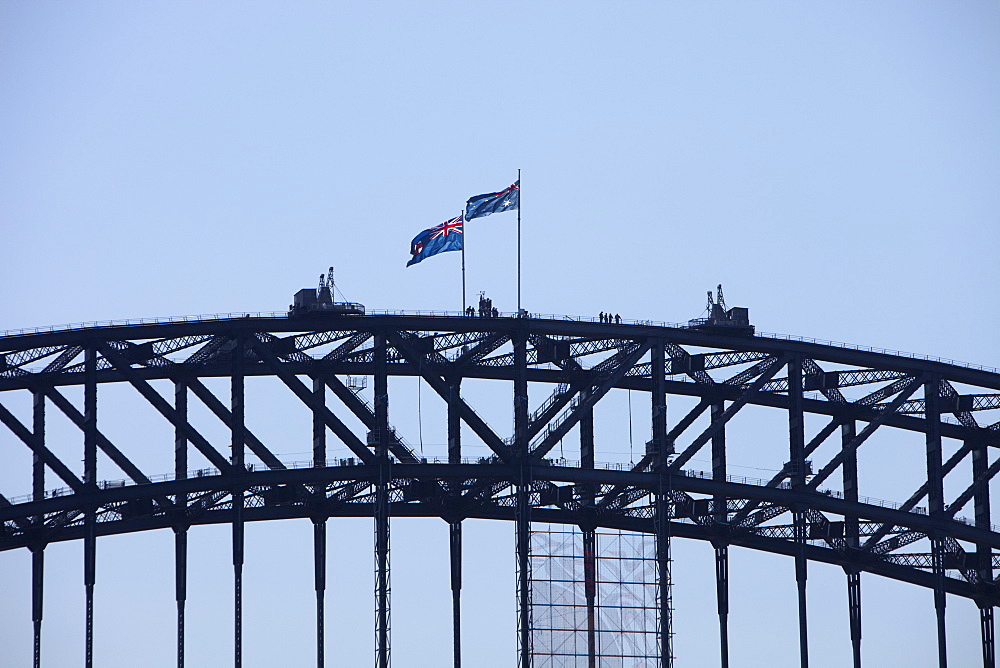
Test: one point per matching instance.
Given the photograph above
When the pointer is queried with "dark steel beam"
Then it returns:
(38, 551)
(935, 497)
(37, 582)
(658, 397)
(304, 394)
(319, 522)
(663, 569)
(433, 375)
(981, 483)
(848, 433)
(225, 415)
(918, 496)
(38, 449)
(455, 550)
(796, 447)
(721, 516)
(504, 511)
(642, 482)
(854, 610)
(522, 499)
(595, 393)
(989, 641)
(454, 422)
(616, 498)
(719, 503)
(590, 593)
(980, 458)
(238, 406)
(853, 446)
(319, 580)
(782, 475)
(160, 404)
(734, 407)
(722, 600)
(106, 446)
(587, 458)
(318, 424)
(181, 526)
(90, 479)
(892, 364)
(381, 440)
(364, 413)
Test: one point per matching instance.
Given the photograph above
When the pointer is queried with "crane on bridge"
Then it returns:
(322, 300)
(720, 319)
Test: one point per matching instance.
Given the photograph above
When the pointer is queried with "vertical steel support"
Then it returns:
(319, 522)
(382, 591)
(664, 593)
(661, 448)
(38, 550)
(722, 594)
(523, 502)
(721, 513)
(239, 469)
(319, 578)
(719, 509)
(852, 536)
(319, 426)
(587, 440)
(796, 443)
(659, 400)
(986, 624)
(854, 610)
(455, 525)
(180, 526)
(90, 480)
(981, 501)
(589, 537)
(935, 499)
(454, 422)
(590, 592)
(37, 579)
(455, 545)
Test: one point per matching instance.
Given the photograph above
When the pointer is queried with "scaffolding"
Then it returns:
(594, 598)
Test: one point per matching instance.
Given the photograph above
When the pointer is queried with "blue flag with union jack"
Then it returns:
(507, 199)
(445, 237)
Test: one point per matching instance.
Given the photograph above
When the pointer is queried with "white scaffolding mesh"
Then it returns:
(625, 607)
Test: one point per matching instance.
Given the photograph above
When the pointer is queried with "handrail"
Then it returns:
(458, 314)
(607, 466)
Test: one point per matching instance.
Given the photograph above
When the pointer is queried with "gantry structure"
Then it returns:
(811, 510)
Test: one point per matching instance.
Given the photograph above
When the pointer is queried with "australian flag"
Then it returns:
(445, 237)
(507, 199)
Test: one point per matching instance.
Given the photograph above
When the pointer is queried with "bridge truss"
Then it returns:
(832, 399)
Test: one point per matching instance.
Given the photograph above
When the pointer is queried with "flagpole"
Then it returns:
(464, 304)
(518, 242)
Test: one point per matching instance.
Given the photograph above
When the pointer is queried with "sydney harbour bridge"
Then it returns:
(692, 381)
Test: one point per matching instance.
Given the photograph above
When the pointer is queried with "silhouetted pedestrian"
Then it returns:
(618, 319)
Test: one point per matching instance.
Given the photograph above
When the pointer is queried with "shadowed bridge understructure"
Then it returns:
(811, 510)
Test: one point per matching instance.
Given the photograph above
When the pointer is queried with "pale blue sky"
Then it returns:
(833, 164)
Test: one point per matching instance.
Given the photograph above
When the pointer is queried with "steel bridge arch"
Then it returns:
(856, 392)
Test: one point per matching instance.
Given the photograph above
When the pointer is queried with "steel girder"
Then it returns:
(559, 495)
(579, 363)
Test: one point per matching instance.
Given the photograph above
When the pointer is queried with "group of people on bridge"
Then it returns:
(486, 308)
(608, 318)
